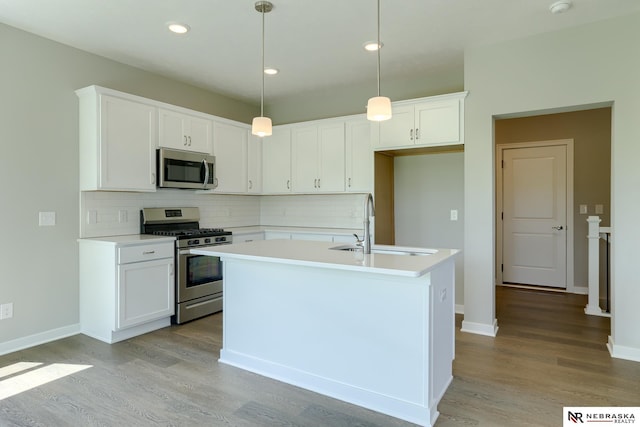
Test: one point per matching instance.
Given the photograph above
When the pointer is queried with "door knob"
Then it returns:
(559, 227)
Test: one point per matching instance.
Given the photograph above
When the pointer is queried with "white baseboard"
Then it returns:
(581, 290)
(37, 339)
(459, 308)
(480, 328)
(621, 352)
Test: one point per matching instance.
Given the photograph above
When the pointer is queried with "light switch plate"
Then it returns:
(599, 209)
(6, 311)
(454, 215)
(46, 218)
(583, 209)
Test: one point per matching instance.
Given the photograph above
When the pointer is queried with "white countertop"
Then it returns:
(286, 229)
(130, 239)
(319, 254)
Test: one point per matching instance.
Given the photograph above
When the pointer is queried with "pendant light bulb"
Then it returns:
(379, 107)
(261, 126)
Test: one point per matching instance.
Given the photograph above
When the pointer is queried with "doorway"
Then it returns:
(534, 200)
(590, 130)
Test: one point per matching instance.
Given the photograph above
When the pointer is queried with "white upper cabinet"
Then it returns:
(318, 157)
(230, 148)
(117, 142)
(276, 161)
(434, 121)
(254, 165)
(359, 156)
(184, 132)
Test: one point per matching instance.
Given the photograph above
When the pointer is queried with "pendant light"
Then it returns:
(379, 107)
(261, 126)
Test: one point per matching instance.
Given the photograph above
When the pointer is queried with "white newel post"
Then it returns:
(593, 305)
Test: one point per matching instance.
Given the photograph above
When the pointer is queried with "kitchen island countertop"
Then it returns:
(320, 254)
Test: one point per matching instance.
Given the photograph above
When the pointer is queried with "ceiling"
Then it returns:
(315, 44)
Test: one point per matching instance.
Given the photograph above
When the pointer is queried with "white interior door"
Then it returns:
(534, 222)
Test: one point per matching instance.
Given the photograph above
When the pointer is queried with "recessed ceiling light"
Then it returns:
(372, 46)
(178, 28)
(560, 6)
(271, 71)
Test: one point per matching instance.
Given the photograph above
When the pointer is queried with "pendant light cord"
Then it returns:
(378, 47)
(262, 71)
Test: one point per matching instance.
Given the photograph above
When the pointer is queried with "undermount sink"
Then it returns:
(385, 251)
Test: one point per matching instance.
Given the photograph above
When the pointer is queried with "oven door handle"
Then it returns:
(188, 251)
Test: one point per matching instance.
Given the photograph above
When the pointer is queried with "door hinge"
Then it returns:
(501, 215)
(502, 164)
(502, 267)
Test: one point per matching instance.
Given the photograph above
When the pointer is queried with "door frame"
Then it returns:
(568, 143)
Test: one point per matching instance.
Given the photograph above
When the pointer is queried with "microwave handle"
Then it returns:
(206, 173)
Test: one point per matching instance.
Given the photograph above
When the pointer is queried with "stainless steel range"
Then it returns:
(198, 278)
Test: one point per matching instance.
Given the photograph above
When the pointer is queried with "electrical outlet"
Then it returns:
(599, 209)
(6, 311)
(583, 209)
(454, 215)
(123, 216)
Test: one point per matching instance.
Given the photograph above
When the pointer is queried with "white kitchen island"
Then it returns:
(374, 330)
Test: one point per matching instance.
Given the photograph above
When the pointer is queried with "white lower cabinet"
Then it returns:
(302, 235)
(249, 237)
(312, 236)
(127, 286)
(273, 235)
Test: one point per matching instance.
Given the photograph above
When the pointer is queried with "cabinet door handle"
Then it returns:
(148, 252)
(250, 185)
(349, 185)
(288, 184)
(411, 134)
(189, 141)
(153, 178)
(318, 182)
(417, 134)
(185, 140)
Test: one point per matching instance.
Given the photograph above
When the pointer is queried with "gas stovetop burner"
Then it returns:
(196, 232)
(181, 223)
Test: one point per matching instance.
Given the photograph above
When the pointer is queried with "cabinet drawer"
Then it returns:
(139, 253)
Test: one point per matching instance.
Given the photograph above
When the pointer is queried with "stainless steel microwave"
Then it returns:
(185, 169)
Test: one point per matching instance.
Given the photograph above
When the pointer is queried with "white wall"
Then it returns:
(586, 65)
(426, 188)
(39, 172)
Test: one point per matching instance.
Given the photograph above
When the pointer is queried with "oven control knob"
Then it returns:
(193, 242)
(207, 240)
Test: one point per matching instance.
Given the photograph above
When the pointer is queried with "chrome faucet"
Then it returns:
(369, 211)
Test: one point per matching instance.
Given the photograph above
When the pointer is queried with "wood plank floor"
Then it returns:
(547, 355)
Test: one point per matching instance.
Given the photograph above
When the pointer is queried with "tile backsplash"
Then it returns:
(105, 213)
